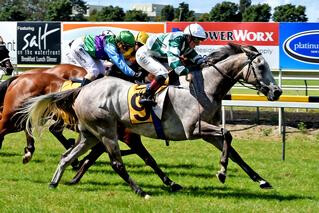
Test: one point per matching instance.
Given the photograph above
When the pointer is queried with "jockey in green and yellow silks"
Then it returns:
(170, 48)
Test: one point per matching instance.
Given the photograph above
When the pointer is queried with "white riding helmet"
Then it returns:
(195, 30)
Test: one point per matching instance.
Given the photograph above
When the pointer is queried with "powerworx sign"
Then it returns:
(240, 35)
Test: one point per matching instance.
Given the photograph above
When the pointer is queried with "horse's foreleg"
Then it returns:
(135, 143)
(215, 134)
(117, 164)
(234, 156)
(87, 140)
(88, 161)
(1, 141)
(7, 126)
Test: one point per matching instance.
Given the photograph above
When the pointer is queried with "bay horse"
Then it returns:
(5, 63)
(32, 83)
(97, 121)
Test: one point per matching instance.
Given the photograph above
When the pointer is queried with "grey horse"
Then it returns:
(190, 111)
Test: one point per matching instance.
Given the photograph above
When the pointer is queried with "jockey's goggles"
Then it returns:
(126, 47)
(197, 40)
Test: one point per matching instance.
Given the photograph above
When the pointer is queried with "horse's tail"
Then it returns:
(39, 110)
(4, 86)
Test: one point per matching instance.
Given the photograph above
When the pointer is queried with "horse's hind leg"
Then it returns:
(88, 161)
(29, 149)
(57, 130)
(87, 140)
(135, 143)
(215, 134)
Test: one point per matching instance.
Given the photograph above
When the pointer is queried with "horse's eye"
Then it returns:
(261, 67)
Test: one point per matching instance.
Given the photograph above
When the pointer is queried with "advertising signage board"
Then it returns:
(73, 30)
(299, 46)
(264, 36)
(38, 43)
(8, 32)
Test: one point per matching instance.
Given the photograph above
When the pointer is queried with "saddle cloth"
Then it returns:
(139, 114)
(69, 85)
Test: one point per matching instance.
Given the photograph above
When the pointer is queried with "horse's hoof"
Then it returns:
(141, 193)
(26, 158)
(74, 181)
(71, 141)
(53, 185)
(147, 197)
(176, 187)
(76, 165)
(264, 185)
(221, 177)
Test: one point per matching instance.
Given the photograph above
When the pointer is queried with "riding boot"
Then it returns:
(85, 81)
(147, 98)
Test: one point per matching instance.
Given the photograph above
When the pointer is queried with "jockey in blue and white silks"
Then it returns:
(170, 48)
(89, 51)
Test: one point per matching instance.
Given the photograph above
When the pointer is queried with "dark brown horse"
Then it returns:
(39, 82)
(5, 63)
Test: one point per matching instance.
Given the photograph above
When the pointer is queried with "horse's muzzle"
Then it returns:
(274, 93)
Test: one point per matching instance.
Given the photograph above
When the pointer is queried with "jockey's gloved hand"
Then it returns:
(203, 62)
(138, 75)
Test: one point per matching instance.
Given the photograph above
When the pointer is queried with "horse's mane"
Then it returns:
(226, 51)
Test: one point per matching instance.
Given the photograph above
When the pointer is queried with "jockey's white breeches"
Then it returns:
(145, 58)
(94, 67)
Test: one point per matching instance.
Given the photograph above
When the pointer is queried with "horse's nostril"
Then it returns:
(277, 92)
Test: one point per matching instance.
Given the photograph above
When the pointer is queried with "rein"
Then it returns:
(250, 69)
(232, 80)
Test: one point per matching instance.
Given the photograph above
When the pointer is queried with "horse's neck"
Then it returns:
(217, 84)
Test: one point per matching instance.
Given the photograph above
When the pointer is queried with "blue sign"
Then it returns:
(299, 46)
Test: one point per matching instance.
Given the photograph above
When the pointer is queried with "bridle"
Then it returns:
(251, 69)
(5, 55)
(4, 67)
(3, 61)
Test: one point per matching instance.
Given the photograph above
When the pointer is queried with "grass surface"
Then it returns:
(24, 188)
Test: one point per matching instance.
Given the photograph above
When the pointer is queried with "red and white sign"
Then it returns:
(220, 33)
(264, 36)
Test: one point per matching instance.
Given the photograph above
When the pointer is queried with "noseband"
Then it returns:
(2, 63)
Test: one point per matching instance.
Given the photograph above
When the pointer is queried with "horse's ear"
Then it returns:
(235, 47)
(248, 52)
